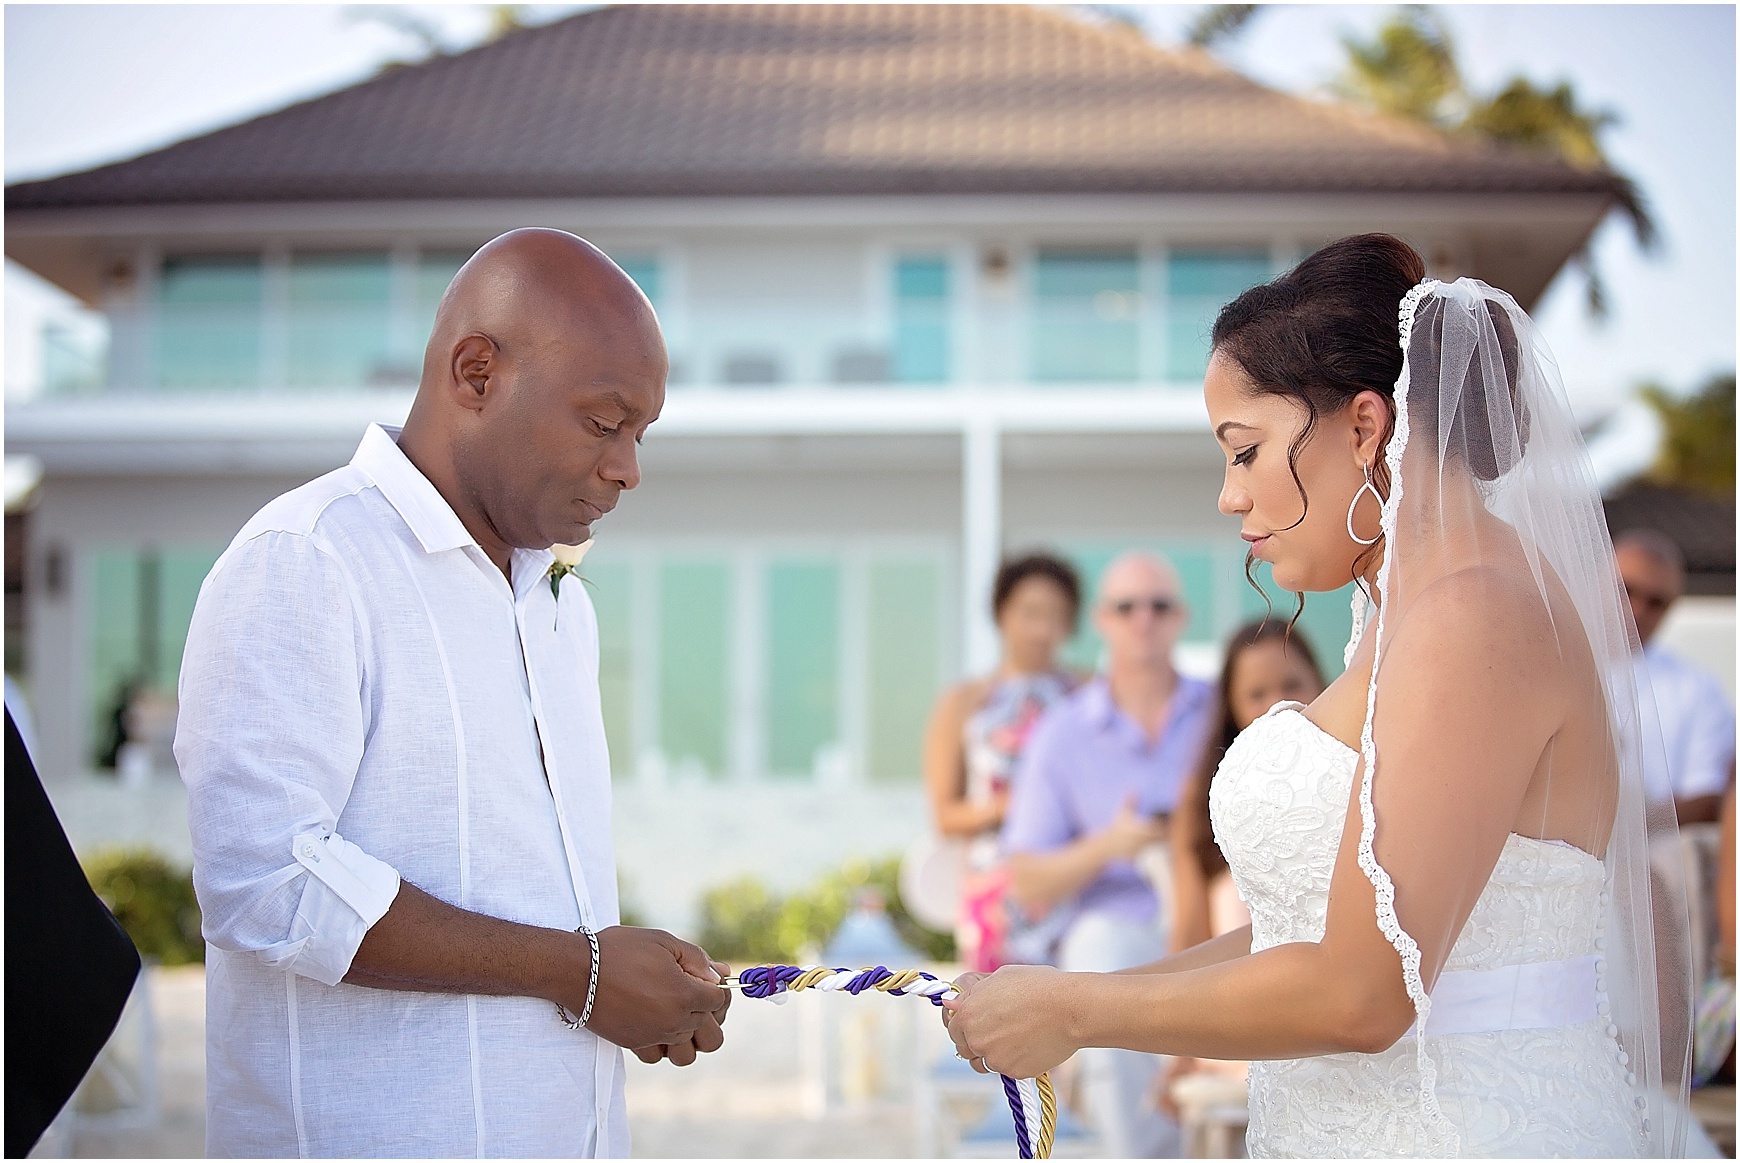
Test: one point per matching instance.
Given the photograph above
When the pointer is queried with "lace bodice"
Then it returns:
(1279, 803)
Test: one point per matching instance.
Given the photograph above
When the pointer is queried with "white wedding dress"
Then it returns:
(1528, 1062)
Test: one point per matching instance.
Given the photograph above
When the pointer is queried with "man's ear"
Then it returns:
(474, 368)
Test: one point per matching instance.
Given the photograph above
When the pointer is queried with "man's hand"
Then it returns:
(705, 1040)
(656, 995)
(654, 990)
(1130, 832)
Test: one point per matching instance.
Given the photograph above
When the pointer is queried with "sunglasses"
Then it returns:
(1159, 606)
(1649, 601)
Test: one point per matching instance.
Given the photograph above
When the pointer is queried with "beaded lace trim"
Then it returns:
(1442, 1138)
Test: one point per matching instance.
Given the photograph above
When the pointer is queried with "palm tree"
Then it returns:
(1409, 69)
(1697, 442)
(500, 20)
(1217, 23)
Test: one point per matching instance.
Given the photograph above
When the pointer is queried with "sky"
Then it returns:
(88, 84)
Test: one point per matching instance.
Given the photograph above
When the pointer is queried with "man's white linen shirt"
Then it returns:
(1697, 728)
(364, 697)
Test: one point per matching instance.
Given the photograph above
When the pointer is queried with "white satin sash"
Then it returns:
(1539, 995)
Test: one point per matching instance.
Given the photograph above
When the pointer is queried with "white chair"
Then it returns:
(1213, 1113)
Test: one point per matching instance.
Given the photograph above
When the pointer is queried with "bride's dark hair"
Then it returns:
(1325, 331)
(1321, 334)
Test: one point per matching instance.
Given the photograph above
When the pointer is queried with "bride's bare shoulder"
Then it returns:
(1475, 618)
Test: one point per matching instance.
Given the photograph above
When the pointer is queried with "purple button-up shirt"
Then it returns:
(1085, 757)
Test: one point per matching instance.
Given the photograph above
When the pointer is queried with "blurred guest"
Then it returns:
(979, 728)
(1095, 787)
(1697, 723)
(1713, 1035)
(1266, 663)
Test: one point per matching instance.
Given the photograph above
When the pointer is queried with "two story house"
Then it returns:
(936, 283)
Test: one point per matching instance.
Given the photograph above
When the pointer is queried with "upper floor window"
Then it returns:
(643, 268)
(1086, 309)
(310, 320)
(921, 320)
(435, 269)
(209, 321)
(339, 322)
(1199, 282)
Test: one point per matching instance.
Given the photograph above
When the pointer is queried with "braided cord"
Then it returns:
(1032, 1102)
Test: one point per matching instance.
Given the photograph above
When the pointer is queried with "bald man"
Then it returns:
(398, 788)
(1095, 786)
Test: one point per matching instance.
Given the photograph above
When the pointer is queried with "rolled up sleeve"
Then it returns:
(269, 739)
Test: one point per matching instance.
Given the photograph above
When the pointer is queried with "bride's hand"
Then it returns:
(1013, 1021)
(962, 983)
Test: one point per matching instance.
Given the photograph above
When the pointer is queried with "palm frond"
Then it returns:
(1219, 22)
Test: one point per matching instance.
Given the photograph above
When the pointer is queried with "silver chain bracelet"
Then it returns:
(568, 1019)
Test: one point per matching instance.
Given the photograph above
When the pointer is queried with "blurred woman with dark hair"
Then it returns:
(1266, 663)
(978, 729)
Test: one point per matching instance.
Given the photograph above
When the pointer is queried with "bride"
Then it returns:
(1452, 837)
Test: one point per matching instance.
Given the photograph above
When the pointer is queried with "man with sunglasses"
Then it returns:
(1697, 724)
(1094, 788)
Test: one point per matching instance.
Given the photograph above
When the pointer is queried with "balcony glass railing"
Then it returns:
(317, 322)
(74, 359)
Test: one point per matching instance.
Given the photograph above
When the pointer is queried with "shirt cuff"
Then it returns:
(347, 892)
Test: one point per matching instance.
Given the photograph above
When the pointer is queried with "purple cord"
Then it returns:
(766, 980)
(1019, 1110)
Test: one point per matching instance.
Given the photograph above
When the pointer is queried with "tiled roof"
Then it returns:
(822, 99)
(1702, 526)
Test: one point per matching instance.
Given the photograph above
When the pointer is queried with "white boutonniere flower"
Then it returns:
(568, 558)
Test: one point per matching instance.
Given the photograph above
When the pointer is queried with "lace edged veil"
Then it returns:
(1483, 431)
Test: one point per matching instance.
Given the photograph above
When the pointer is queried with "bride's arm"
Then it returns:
(1211, 952)
(1465, 710)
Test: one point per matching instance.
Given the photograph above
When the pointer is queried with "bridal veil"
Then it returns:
(1488, 480)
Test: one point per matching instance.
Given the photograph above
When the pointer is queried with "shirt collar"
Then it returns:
(1097, 701)
(416, 499)
(1096, 697)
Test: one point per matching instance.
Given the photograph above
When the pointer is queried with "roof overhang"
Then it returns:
(1515, 241)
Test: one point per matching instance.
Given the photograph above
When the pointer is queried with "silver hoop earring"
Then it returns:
(1354, 504)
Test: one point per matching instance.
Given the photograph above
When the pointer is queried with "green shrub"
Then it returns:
(153, 900)
(744, 922)
(740, 922)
